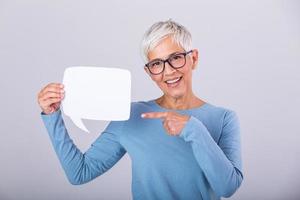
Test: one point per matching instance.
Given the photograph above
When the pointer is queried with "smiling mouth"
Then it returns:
(173, 82)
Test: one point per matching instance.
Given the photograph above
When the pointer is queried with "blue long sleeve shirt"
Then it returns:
(202, 162)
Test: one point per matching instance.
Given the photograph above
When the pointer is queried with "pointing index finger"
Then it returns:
(153, 115)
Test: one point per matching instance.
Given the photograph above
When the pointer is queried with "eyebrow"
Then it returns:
(157, 59)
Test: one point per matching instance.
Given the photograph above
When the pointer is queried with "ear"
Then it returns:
(195, 57)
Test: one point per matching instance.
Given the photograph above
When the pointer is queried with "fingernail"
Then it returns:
(61, 85)
(143, 115)
(62, 91)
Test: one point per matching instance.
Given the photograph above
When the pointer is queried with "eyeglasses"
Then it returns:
(176, 60)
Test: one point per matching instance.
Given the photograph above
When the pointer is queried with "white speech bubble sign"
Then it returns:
(96, 93)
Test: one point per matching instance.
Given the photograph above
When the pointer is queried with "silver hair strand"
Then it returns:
(161, 30)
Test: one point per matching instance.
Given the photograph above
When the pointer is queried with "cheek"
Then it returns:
(157, 79)
(187, 72)
(159, 82)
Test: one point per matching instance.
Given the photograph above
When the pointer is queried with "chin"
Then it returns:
(175, 95)
(172, 92)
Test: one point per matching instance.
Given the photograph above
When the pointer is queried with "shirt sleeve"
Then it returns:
(221, 162)
(80, 167)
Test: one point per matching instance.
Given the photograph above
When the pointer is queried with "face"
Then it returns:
(175, 83)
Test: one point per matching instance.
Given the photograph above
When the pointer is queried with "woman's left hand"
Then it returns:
(172, 121)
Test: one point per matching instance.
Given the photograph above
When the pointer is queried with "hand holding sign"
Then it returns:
(50, 97)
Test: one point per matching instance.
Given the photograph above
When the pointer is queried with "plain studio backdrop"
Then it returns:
(249, 62)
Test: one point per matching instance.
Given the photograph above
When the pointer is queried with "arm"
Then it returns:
(221, 163)
(81, 168)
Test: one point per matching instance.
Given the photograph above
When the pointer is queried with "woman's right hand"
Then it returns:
(50, 97)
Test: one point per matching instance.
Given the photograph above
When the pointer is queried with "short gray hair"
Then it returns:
(161, 30)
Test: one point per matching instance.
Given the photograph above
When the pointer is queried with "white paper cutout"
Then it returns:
(96, 93)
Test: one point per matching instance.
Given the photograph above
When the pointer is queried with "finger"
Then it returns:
(169, 128)
(54, 87)
(155, 115)
(55, 106)
(172, 125)
(56, 84)
(51, 91)
(50, 94)
(166, 127)
(50, 101)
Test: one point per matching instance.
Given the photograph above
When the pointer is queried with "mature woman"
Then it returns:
(181, 147)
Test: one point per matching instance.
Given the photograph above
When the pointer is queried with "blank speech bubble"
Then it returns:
(96, 93)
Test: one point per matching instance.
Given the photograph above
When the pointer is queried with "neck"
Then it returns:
(185, 102)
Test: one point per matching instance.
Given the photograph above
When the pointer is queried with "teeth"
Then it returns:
(173, 81)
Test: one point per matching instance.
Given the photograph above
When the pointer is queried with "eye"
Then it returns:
(155, 64)
(175, 57)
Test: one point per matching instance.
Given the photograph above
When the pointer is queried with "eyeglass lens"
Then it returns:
(176, 61)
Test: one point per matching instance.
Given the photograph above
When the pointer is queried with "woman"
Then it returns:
(181, 147)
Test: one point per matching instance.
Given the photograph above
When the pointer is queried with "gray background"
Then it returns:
(249, 62)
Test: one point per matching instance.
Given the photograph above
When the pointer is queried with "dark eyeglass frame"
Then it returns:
(168, 61)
